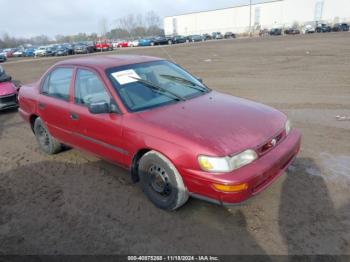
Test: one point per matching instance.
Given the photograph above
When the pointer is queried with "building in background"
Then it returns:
(267, 15)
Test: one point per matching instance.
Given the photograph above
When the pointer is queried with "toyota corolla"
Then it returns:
(176, 136)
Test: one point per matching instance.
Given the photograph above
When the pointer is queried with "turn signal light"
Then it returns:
(231, 188)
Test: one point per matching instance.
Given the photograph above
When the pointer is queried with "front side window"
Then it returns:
(89, 88)
(170, 82)
(57, 83)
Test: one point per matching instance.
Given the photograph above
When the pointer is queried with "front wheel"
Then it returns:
(161, 182)
(47, 143)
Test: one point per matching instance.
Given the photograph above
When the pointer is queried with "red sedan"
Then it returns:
(175, 135)
(123, 44)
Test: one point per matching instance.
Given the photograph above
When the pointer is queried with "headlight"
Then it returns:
(288, 127)
(226, 164)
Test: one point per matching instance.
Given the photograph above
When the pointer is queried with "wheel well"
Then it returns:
(135, 164)
(32, 121)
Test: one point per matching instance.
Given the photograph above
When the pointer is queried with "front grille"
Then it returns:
(271, 143)
(8, 99)
(272, 173)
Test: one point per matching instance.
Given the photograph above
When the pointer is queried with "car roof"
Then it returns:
(107, 61)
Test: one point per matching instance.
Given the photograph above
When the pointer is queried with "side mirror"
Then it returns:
(103, 107)
(99, 108)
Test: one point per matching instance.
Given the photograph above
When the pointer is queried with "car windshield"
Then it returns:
(160, 83)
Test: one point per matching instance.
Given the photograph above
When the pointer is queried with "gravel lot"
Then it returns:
(73, 203)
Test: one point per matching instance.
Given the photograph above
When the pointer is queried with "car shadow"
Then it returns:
(54, 207)
(308, 220)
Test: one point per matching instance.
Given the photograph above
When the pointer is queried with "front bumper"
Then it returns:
(258, 175)
(9, 101)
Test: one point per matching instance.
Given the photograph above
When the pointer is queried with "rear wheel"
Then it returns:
(161, 182)
(47, 143)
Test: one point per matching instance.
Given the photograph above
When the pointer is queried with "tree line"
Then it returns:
(128, 27)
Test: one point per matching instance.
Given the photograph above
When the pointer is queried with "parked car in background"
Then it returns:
(340, 27)
(19, 53)
(292, 31)
(41, 51)
(123, 44)
(8, 52)
(29, 52)
(69, 47)
(229, 35)
(8, 91)
(178, 39)
(90, 46)
(159, 40)
(145, 42)
(53, 49)
(161, 123)
(80, 49)
(195, 38)
(62, 51)
(133, 43)
(2, 58)
(217, 35)
(275, 31)
(115, 44)
(323, 28)
(103, 45)
(309, 29)
(50, 51)
(207, 37)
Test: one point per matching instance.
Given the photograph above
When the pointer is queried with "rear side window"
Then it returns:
(89, 88)
(57, 83)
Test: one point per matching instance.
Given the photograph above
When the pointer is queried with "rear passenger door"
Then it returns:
(54, 101)
(100, 134)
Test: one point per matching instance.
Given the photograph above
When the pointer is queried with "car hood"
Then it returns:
(219, 124)
(7, 88)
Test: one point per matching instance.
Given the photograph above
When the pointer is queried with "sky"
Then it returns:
(23, 18)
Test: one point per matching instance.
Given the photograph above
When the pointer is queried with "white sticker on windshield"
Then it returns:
(126, 76)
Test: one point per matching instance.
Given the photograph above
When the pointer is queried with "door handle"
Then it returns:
(41, 106)
(74, 116)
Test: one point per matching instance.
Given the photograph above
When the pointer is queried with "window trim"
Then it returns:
(48, 75)
(112, 100)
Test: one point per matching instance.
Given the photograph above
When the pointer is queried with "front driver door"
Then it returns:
(100, 134)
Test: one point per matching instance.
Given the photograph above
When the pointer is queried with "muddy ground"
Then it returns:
(73, 203)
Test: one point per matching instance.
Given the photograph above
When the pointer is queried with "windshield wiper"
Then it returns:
(159, 89)
(186, 82)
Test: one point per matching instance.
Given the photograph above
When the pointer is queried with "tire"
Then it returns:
(47, 143)
(161, 182)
